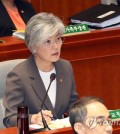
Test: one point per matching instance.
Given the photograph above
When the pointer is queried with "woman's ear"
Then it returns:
(79, 128)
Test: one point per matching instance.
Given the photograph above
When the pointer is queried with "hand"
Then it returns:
(37, 119)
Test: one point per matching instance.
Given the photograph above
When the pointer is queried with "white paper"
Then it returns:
(59, 123)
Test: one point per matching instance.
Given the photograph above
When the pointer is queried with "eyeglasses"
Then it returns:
(52, 41)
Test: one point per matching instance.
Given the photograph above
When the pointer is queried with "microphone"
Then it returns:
(52, 77)
(46, 127)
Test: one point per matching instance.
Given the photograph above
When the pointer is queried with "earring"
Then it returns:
(34, 52)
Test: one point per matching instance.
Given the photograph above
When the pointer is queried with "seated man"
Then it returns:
(90, 116)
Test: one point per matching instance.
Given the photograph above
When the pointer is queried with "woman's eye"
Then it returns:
(59, 38)
(48, 42)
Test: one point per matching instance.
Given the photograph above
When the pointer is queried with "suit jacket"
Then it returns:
(25, 86)
(26, 11)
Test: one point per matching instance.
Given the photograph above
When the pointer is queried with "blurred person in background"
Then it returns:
(14, 14)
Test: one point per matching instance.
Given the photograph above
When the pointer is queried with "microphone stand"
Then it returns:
(46, 127)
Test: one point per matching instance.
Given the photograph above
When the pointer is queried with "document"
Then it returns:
(98, 16)
(59, 123)
(19, 34)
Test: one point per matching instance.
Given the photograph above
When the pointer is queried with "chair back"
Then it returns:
(5, 67)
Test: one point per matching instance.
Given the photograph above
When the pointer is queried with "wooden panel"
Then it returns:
(63, 8)
(96, 66)
(37, 4)
(99, 77)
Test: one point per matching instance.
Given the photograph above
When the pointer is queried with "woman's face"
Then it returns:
(49, 50)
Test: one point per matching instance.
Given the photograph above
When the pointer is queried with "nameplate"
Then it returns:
(115, 114)
(76, 29)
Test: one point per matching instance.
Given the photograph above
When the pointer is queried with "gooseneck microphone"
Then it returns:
(52, 77)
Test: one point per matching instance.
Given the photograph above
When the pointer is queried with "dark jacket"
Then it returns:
(26, 11)
(25, 86)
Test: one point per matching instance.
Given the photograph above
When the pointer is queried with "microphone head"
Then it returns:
(52, 76)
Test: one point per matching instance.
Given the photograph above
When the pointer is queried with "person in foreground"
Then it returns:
(89, 115)
(27, 82)
(14, 14)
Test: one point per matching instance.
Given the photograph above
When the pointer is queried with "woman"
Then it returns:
(14, 14)
(28, 82)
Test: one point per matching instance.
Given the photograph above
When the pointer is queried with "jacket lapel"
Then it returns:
(60, 86)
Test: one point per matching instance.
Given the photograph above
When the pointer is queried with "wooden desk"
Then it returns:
(95, 58)
(57, 131)
(13, 48)
(13, 130)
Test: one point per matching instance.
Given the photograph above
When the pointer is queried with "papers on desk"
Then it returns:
(98, 16)
(19, 34)
(59, 123)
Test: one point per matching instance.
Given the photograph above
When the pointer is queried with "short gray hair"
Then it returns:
(40, 27)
